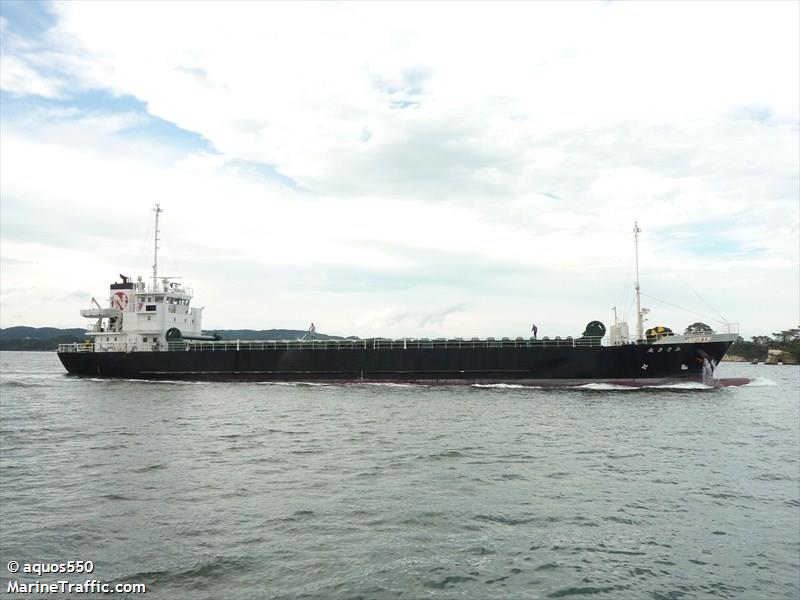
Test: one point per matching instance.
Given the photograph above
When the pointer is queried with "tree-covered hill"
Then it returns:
(48, 338)
(38, 338)
(759, 346)
(269, 334)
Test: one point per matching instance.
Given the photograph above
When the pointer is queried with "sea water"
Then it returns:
(226, 490)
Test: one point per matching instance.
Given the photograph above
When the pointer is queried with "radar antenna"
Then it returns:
(158, 211)
(639, 326)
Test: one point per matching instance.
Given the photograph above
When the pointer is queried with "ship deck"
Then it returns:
(355, 344)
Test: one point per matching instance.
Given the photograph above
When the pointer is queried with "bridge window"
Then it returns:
(150, 307)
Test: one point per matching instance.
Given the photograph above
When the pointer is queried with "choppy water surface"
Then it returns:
(381, 491)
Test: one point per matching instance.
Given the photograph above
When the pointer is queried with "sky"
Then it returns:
(405, 169)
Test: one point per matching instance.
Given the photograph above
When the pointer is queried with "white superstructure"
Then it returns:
(138, 316)
(618, 334)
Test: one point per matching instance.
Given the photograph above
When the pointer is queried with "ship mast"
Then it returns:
(158, 211)
(639, 326)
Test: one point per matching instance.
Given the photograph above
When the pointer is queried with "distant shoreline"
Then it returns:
(23, 338)
(47, 339)
(786, 359)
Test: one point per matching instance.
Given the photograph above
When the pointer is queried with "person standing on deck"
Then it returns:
(534, 330)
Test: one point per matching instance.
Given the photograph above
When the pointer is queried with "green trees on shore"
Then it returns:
(759, 345)
(48, 338)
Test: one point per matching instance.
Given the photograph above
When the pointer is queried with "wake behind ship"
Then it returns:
(151, 331)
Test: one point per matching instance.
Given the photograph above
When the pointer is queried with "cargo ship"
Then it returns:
(150, 330)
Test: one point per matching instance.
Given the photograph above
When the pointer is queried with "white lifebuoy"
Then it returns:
(119, 300)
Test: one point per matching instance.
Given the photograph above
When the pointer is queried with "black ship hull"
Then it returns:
(532, 364)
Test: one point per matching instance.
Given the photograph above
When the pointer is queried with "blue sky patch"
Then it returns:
(27, 17)
(255, 170)
(762, 114)
(705, 240)
(99, 103)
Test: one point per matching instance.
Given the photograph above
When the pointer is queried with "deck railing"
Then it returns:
(382, 344)
(729, 328)
(366, 344)
(76, 347)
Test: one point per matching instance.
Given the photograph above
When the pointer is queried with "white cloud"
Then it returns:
(18, 77)
(296, 85)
